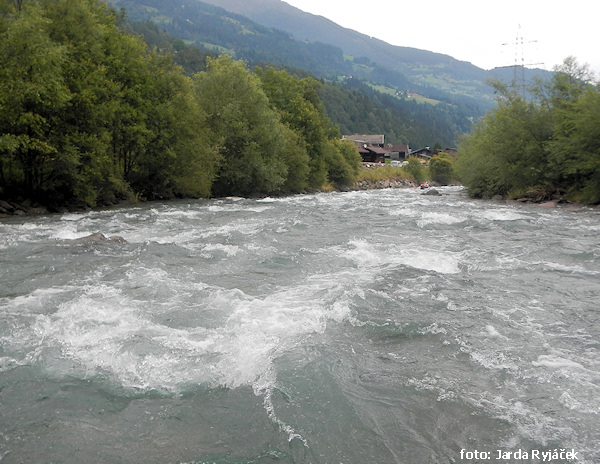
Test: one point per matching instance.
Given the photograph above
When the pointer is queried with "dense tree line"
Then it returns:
(542, 147)
(90, 115)
(191, 58)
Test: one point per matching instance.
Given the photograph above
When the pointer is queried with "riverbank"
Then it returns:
(29, 208)
(11, 208)
(380, 184)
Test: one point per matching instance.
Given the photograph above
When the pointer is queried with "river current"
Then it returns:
(367, 327)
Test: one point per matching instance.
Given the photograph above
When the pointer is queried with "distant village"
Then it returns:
(373, 149)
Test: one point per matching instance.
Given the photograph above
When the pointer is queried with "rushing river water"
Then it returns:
(366, 327)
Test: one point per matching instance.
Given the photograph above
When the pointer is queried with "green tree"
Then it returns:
(297, 161)
(545, 146)
(249, 131)
(415, 169)
(32, 96)
(339, 171)
(181, 157)
(343, 162)
(575, 149)
(300, 107)
(89, 116)
(506, 152)
(103, 130)
(86, 29)
(441, 168)
(298, 102)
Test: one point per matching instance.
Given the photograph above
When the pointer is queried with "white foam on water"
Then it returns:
(363, 253)
(556, 362)
(227, 230)
(7, 364)
(568, 269)
(259, 329)
(585, 405)
(30, 226)
(264, 386)
(71, 217)
(100, 330)
(493, 259)
(14, 234)
(229, 250)
(429, 260)
(165, 231)
(493, 333)
(507, 214)
(527, 420)
(367, 254)
(35, 301)
(496, 360)
(428, 218)
(405, 212)
(70, 231)
(238, 208)
(180, 213)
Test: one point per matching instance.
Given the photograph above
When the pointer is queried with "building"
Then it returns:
(422, 153)
(370, 147)
(397, 152)
(365, 139)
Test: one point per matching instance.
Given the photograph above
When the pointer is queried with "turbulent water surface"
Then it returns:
(357, 328)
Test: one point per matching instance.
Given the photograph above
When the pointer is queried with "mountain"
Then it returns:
(289, 36)
(423, 68)
(416, 84)
(278, 14)
(213, 28)
(440, 71)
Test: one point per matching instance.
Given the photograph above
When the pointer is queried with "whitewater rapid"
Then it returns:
(376, 326)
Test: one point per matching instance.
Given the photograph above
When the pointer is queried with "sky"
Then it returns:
(539, 34)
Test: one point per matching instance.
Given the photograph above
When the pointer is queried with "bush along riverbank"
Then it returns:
(370, 184)
(538, 146)
(12, 208)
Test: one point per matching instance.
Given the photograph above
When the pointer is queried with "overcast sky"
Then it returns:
(479, 31)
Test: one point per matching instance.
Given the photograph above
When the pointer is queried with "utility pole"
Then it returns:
(519, 66)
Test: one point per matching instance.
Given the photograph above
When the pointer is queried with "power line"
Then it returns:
(520, 64)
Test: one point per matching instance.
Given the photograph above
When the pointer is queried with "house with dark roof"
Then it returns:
(373, 149)
(362, 139)
(422, 153)
(370, 147)
(397, 152)
(451, 151)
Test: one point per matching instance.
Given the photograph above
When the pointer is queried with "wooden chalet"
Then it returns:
(397, 152)
(370, 147)
(451, 151)
(423, 153)
(365, 139)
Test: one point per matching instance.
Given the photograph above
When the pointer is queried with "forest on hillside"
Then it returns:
(351, 103)
(90, 115)
(543, 147)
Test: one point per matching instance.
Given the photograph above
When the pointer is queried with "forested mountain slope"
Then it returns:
(439, 71)
(434, 110)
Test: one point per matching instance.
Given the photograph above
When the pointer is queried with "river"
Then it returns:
(367, 327)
